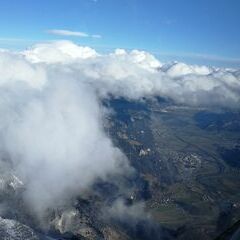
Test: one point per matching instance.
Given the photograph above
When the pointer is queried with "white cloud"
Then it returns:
(15, 68)
(68, 33)
(52, 130)
(60, 51)
(62, 32)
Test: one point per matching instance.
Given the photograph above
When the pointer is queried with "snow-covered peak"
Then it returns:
(179, 69)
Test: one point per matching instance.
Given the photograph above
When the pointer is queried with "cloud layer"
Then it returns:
(137, 74)
(52, 119)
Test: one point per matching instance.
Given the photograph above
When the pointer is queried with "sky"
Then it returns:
(199, 31)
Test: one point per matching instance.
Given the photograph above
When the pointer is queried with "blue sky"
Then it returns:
(195, 31)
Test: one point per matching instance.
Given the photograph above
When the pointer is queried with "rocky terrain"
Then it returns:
(184, 185)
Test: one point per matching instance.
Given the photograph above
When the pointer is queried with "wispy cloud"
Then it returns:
(64, 32)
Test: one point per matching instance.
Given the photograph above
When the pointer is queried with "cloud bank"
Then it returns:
(136, 74)
(51, 124)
